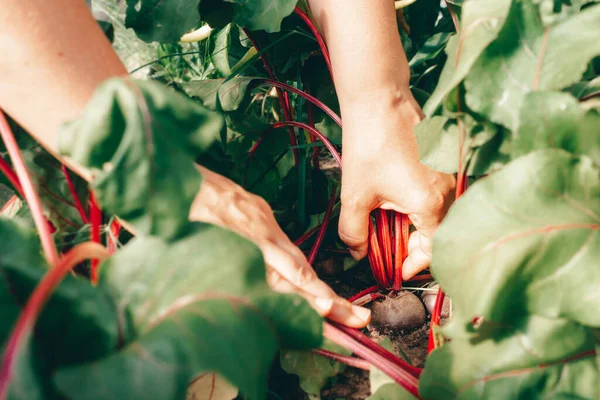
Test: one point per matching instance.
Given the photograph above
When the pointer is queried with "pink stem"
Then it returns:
(35, 205)
(315, 132)
(10, 174)
(283, 98)
(78, 205)
(36, 302)
(304, 95)
(315, 249)
(365, 292)
(351, 361)
(96, 219)
(365, 341)
(394, 371)
(306, 235)
(318, 36)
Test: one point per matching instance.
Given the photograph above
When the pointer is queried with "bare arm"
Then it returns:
(57, 56)
(380, 153)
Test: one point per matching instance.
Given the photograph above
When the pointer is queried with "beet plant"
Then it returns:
(108, 290)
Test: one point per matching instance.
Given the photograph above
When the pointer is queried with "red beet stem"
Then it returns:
(376, 258)
(44, 227)
(315, 249)
(365, 341)
(351, 361)
(315, 132)
(365, 292)
(76, 200)
(385, 240)
(394, 371)
(96, 222)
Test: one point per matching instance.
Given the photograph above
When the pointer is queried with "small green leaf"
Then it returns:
(162, 20)
(140, 139)
(527, 57)
(225, 49)
(313, 370)
(430, 49)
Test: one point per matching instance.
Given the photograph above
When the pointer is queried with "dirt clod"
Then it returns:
(405, 311)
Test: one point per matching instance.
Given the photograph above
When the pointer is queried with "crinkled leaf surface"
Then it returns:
(556, 120)
(225, 48)
(534, 358)
(198, 307)
(162, 20)
(227, 94)
(313, 370)
(536, 230)
(527, 56)
(140, 140)
(480, 23)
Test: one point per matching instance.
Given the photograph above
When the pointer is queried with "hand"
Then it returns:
(381, 169)
(222, 202)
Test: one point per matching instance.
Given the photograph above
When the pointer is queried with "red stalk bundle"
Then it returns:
(388, 247)
(96, 222)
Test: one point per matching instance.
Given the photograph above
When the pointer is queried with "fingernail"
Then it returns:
(323, 303)
(362, 313)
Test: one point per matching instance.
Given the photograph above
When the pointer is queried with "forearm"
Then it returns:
(366, 52)
(55, 56)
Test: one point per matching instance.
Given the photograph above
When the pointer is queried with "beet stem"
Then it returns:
(33, 200)
(76, 200)
(351, 361)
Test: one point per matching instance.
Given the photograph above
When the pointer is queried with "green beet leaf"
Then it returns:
(556, 120)
(438, 144)
(480, 23)
(198, 307)
(140, 140)
(535, 234)
(209, 333)
(78, 323)
(313, 370)
(162, 20)
(527, 57)
(225, 48)
(532, 358)
(261, 14)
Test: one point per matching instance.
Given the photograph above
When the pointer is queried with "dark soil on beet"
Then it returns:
(353, 384)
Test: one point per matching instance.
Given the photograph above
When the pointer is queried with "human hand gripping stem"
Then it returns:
(379, 150)
(382, 170)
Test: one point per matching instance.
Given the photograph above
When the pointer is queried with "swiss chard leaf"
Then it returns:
(140, 140)
(527, 56)
(556, 120)
(481, 22)
(526, 359)
(541, 231)
(194, 314)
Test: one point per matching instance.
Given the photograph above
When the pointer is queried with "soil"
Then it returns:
(353, 384)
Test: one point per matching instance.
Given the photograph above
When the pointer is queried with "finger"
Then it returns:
(320, 304)
(334, 307)
(347, 314)
(353, 227)
(416, 262)
(418, 241)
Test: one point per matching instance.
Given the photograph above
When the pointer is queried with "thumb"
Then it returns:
(354, 228)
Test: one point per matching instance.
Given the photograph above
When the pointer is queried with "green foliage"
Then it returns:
(313, 370)
(140, 140)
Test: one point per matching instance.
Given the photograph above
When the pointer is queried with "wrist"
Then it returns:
(397, 101)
